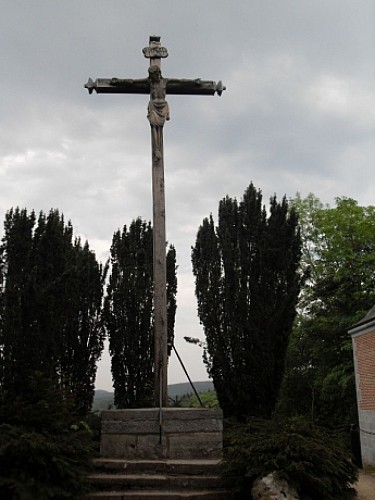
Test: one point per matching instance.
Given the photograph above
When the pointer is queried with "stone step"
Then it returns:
(172, 467)
(119, 481)
(159, 479)
(219, 494)
(139, 463)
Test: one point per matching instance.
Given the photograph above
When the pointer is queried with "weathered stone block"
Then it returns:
(185, 426)
(118, 446)
(196, 445)
(185, 433)
(130, 427)
(151, 446)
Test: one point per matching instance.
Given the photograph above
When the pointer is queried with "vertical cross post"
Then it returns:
(155, 53)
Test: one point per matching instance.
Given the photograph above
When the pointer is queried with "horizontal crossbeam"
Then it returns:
(142, 86)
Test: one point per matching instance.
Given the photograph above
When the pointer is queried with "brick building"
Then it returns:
(363, 338)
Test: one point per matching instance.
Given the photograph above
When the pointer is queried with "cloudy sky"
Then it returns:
(298, 115)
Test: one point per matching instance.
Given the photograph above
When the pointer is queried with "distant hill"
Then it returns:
(103, 400)
(185, 388)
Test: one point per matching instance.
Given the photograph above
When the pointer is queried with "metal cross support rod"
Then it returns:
(158, 112)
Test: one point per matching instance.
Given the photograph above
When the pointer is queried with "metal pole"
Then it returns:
(186, 373)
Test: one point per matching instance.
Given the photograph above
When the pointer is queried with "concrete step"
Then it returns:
(219, 494)
(160, 466)
(189, 482)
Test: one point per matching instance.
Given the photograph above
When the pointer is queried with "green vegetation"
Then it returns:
(45, 446)
(208, 399)
(247, 285)
(128, 313)
(307, 456)
(339, 254)
(51, 337)
(190, 400)
(51, 290)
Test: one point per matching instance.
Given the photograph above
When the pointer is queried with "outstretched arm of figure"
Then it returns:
(193, 87)
(119, 86)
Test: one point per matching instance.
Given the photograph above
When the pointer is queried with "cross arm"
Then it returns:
(194, 87)
(118, 86)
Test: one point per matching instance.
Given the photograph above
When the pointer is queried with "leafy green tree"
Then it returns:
(51, 306)
(247, 287)
(341, 289)
(129, 313)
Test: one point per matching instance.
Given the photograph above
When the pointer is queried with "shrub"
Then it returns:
(37, 465)
(44, 448)
(308, 457)
(208, 399)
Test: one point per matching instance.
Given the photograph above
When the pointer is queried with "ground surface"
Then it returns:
(366, 486)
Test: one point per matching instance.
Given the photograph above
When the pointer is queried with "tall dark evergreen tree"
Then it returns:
(83, 335)
(18, 345)
(247, 287)
(171, 295)
(129, 311)
(51, 303)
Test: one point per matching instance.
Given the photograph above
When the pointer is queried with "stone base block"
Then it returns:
(176, 433)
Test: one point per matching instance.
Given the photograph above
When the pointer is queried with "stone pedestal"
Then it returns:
(176, 433)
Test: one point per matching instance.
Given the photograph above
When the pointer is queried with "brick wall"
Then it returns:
(363, 338)
(364, 351)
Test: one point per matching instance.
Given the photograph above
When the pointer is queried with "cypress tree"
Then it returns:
(129, 310)
(51, 320)
(247, 287)
(17, 346)
(83, 334)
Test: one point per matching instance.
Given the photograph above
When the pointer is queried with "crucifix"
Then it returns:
(158, 112)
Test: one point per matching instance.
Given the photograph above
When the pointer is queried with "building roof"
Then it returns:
(370, 316)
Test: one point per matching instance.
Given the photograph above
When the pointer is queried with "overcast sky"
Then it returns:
(298, 115)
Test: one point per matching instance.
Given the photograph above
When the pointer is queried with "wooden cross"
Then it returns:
(158, 113)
